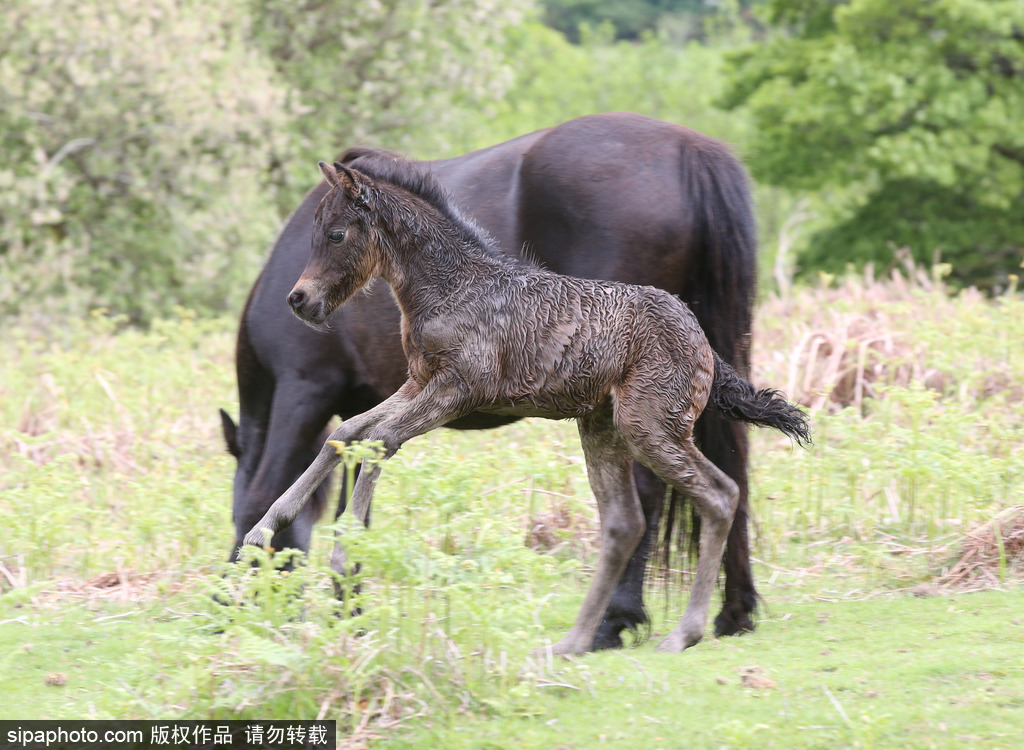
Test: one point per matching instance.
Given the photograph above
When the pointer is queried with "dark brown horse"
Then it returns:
(613, 196)
(484, 333)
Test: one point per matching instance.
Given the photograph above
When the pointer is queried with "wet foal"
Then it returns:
(485, 333)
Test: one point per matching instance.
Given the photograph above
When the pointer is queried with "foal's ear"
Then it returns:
(351, 181)
(355, 184)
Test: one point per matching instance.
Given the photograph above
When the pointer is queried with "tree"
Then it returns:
(631, 19)
(909, 113)
(390, 72)
(149, 149)
(134, 141)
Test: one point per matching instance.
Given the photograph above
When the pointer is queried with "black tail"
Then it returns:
(736, 399)
(719, 285)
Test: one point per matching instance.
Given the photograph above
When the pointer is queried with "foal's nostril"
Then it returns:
(296, 299)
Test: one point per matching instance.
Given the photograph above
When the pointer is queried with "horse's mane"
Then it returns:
(388, 166)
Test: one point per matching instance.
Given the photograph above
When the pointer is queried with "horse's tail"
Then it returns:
(719, 286)
(737, 399)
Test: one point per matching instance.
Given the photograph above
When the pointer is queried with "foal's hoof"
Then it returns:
(257, 537)
(564, 647)
(679, 640)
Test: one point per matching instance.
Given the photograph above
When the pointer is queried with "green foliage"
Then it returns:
(134, 140)
(556, 81)
(391, 73)
(149, 150)
(105, 432)
(909, 109)
(629, 17)
(632, 19)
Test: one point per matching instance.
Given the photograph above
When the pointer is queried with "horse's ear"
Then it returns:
(230, 434)
(330, 173)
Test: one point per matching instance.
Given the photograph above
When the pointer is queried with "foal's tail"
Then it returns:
(737, 400)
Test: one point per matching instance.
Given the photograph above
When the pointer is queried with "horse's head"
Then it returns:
(344, 256)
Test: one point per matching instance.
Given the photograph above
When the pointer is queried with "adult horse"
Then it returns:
(611, 196)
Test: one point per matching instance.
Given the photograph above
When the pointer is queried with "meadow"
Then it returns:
(889, 555)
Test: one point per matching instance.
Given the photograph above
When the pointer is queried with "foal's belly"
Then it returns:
(540, 408)
(481, 421)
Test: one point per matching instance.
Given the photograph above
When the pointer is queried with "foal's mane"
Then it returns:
(389, 167)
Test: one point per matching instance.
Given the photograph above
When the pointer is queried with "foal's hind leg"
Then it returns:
(610, 470)
(715, 496)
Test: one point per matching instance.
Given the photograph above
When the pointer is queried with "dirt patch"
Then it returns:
(117, 586)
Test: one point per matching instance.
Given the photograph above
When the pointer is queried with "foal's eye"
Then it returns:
(336, 235)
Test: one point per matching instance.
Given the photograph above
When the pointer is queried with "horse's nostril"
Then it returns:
(296, 298)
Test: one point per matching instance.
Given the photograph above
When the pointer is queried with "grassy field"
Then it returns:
(892, 613)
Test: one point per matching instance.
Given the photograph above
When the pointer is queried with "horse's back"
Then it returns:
(606, 196)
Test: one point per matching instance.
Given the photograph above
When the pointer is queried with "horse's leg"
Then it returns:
(610, 471)
(339, 557)
(626, 609)
(286, 443)
(287, 507)
(725, 444)
(411, 411)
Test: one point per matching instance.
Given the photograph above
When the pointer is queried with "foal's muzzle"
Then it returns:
(302, 304)
(297, 299)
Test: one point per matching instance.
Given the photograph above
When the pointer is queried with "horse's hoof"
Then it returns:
(732, 620)
(606, 641)
(610, 632)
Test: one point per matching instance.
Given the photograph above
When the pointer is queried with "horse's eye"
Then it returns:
(336, 235)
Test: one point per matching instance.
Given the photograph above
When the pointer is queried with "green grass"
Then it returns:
(888, 672)
(115, 492)
(944, 671)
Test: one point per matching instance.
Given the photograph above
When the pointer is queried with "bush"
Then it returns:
(135, 140)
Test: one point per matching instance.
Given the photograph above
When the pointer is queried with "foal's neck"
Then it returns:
(432, 265)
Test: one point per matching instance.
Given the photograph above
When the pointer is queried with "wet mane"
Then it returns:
(390, 167)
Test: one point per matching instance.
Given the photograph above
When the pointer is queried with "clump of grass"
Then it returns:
(446, 628)
(109, 437)
(835, 345)
(916, 396)
(990, 553)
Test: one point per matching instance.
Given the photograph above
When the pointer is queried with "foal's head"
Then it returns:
(345, 255)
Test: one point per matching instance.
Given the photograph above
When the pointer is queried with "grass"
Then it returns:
(115, 488)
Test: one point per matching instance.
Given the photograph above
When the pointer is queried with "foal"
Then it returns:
(486, 333)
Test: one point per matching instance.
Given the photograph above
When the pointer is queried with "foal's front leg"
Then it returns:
(435, 406)
(438, 404)
(287, 507)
